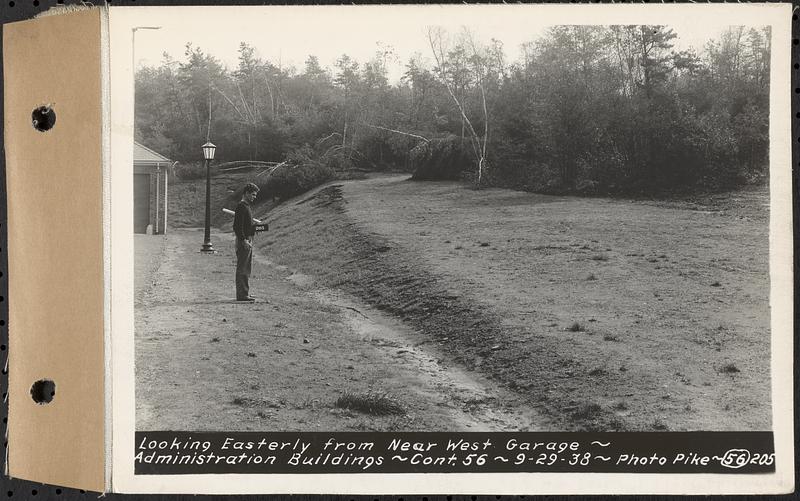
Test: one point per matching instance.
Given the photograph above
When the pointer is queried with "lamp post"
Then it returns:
(208, 154)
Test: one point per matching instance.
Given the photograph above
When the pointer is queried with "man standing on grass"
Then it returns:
(245, 230)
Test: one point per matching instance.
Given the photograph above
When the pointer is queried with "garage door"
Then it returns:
(141, 202)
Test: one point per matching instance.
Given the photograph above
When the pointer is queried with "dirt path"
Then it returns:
(606, 314)
(205, 362)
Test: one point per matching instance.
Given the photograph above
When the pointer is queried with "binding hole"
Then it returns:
(43, 391)
(43, 118)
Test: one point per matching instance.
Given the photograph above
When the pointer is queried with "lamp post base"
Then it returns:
(207, 248)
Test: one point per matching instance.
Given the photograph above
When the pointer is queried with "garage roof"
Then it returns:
(142, 155)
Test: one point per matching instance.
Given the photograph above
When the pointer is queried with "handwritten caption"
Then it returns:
(180, 452)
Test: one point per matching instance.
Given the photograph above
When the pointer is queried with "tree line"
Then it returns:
(586, 109)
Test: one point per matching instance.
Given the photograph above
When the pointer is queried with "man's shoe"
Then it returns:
(252, 297)
(247, 300)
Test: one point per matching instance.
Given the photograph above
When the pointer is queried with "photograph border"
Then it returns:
(120, 295)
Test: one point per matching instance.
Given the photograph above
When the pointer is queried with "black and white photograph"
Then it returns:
(413, 222)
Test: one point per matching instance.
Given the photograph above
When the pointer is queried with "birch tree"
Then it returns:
(445, 72)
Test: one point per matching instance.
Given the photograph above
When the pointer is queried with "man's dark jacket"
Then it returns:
(243, 221)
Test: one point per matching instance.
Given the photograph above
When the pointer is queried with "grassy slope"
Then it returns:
(187, 200)
(671, 301)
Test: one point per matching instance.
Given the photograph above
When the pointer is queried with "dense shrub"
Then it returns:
(380, 151)
(190, 170)
(441, 159)
(299, 173)
(342, 158)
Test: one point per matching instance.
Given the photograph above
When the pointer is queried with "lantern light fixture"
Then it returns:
(208, 150)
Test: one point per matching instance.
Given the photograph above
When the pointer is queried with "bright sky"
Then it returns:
(287, 35)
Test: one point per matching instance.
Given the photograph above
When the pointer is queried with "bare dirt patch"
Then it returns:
(206, 362)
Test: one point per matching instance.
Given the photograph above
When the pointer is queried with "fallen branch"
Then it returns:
(270, 170)
(235, 108)
(399, 132)
(239, 163)
(329, 136)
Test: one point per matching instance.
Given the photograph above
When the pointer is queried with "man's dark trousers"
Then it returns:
(244, 262)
